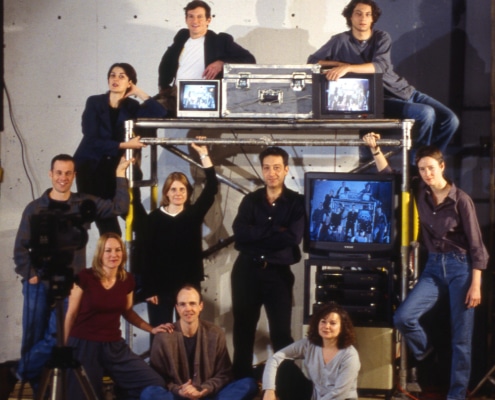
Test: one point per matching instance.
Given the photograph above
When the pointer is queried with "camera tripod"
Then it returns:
(55, 374)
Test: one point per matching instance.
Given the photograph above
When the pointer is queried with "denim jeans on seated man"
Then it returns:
(434, 123)
(242, 389)
(39, 327)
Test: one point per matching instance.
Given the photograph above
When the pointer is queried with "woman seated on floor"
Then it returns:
(330, 360)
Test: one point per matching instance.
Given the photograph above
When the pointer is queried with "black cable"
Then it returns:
(19, 136)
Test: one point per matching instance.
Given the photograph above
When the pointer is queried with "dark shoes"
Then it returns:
(416, 365)
(426, 354)
(8, 378)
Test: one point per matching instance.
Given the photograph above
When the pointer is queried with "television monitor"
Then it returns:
(198, 98)
(350, 214)
(354, 96)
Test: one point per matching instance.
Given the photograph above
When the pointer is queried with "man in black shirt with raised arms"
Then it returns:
(267, 229)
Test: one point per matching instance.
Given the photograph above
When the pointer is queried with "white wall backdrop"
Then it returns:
(57, 53)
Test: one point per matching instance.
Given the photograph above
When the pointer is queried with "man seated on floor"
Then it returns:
(193, 359)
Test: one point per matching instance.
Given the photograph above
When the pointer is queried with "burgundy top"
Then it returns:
(100, 310)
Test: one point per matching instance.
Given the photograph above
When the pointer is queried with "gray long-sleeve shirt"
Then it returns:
(119, 205)
(336, 380)
(345, 48)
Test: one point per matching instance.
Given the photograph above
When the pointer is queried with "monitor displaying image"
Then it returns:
(198, 98)
(354, 96)
(348, 94)
(349, 212)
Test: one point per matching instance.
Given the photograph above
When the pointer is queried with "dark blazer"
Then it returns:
(218, 46)
(99, 137)
(212, 365)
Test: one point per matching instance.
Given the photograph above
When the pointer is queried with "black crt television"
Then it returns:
(198, 98)
(350, 215)
(354, 96)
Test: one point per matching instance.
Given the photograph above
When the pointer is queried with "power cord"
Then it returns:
(19, 137)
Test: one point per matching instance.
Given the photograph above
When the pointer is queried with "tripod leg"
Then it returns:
(53, 380)
(485, 378)
(44, 384)
(58, 384)
(62, 361)
(56, 380)
(85, 384)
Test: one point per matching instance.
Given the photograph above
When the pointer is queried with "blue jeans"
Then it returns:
(434, 123)
(445, 274)
(39, 332)
(242, 389)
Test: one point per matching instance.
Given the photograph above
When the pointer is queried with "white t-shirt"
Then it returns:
(192, 59)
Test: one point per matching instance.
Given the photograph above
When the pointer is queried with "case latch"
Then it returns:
(298, 81)
(243, 80)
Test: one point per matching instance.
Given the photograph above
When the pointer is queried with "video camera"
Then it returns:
(55, 235)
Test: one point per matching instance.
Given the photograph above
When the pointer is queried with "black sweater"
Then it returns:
(218, 46)
(174, 244)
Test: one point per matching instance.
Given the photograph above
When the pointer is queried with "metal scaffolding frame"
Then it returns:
(292, 126)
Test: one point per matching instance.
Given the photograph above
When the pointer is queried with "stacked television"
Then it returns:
(351, 239)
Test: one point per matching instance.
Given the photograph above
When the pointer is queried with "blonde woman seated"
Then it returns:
(102, 294)
(330, 359)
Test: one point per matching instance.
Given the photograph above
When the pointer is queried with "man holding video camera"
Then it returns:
(52, 238)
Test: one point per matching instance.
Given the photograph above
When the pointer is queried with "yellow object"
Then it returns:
(154, 197)
(405, 233)
(415, 220)
(129, 219)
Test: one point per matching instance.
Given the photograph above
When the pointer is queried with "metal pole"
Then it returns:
(129, 133)
(405, 241)
(269, 124)
(268, 141)
(154, 178)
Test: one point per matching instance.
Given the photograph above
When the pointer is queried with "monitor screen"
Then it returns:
(198, 98)
(352, 96)
(350, 213)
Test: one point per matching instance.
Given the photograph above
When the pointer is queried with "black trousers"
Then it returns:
(255, 284)
(291, 382)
